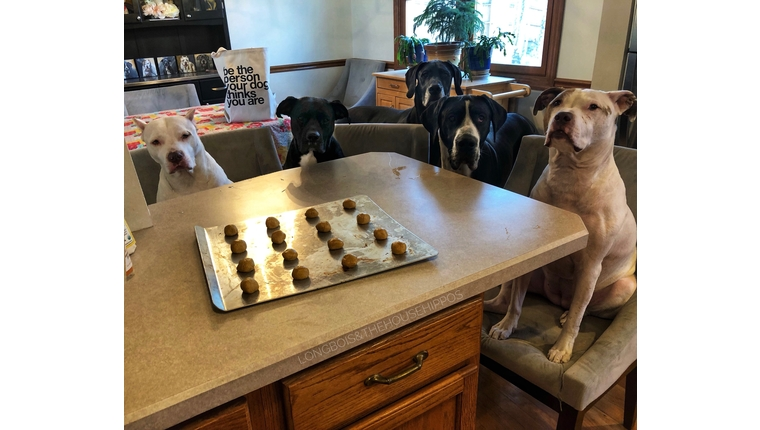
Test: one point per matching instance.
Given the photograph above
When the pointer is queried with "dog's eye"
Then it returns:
(155, 142)
(593, 106)
(480, 118)
(557, 102)
(451, 118)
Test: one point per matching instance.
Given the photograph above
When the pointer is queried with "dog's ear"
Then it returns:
(625, 102)
(430, 114)
(411, 79)
(340, 110)
(140, 123)
(286, 106)
(190, 115)
(498, 113)
(545, 98)
(456, 73)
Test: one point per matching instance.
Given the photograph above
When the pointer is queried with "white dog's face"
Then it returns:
(172, 141)
(576, 118)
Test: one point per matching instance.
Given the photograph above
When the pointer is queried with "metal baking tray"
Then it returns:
(273, 273)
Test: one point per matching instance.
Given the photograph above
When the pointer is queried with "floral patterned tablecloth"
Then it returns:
(210, 119)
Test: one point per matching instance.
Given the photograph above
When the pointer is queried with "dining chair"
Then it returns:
(159, 99)
(356, 85)
(411, 140)
(243, 154)
(604, 351)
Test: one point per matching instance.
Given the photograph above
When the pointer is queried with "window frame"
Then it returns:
(537, 77)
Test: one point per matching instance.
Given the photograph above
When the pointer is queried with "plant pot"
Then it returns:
(419, 56)
(444, 51)
(477, 65)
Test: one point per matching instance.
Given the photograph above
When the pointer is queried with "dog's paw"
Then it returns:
(503, 329)
(559, 355)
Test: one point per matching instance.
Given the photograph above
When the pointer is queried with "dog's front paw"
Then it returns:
(504, 328)
(559, 355)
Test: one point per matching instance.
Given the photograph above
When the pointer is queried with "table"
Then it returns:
(210, 119)
(182, 358)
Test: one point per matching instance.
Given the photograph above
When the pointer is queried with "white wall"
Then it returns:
(580, 33)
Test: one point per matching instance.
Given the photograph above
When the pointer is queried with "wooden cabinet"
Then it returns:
(427, 373)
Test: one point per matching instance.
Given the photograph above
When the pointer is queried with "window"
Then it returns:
(536, 23)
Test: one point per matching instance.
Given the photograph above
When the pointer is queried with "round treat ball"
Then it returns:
(300, 272)
(381, 234)
(312, 213)
(335, 243)
(362, 219)
(230, 230)
(398, 248)
(249, 285)
(323, 227)
(349, 261)
(349, 204)
(290, 254)
(278, 237)
(239, 246)
(245, 265)
(272, 222)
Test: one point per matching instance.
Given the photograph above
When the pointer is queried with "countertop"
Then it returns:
(182, 357)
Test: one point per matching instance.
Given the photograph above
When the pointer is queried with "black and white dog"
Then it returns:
(477, 137)
(312, 121)
(426, 82)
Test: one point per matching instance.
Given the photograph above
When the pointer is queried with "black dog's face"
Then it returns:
(462, 124)
(431, 81)
(312, 121)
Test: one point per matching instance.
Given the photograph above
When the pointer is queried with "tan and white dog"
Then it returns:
(186, 167)
(581, 177)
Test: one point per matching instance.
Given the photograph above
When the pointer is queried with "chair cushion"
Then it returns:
(411, 140)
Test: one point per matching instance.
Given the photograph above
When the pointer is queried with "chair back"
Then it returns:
(356, 85)
(411, 140)
(158, 99)
(243, 154)
(533, 157)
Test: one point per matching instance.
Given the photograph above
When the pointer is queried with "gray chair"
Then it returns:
(356, 86)
(411, 140)
(243, 154)
(604, 351)
(159, 99)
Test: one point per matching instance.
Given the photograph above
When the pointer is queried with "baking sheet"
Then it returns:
(273, 273)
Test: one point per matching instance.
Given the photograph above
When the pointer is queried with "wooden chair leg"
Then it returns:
(570, 418)
(629, 411)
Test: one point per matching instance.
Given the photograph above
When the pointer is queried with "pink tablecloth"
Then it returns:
(210, 119)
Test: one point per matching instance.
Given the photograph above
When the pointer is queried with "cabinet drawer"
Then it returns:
(212, 91)
(230, 416)
(391, 84)
(334, 394)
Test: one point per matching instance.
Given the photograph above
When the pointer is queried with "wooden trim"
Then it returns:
(399, 22)
(571, 83)
(307, 66)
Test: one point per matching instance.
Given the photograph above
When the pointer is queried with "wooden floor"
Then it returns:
(502, 406)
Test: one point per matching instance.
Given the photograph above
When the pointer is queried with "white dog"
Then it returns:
(581, 177)
(186, 167)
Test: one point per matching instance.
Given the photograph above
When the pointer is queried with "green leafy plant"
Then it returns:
(484, 45)
(406, 55)
(451, 20)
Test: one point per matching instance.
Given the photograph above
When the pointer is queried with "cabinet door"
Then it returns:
(230, 416)
(448, 403)
(385, 100)
(404, 103)
(202, 9)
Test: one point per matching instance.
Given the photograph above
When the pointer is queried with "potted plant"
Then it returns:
(410, 50)
(454, 22)
(477, 58)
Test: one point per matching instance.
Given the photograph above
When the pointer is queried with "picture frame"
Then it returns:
(130, 70)
(186, 63)
(204, 63)
(167, 66)
(146, 67)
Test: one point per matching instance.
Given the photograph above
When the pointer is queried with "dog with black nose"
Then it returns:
(312, 121)
(475, 136)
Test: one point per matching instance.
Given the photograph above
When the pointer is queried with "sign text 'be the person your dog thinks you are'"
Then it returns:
(242, 83)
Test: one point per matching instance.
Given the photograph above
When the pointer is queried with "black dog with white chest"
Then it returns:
(477, 137)
(312, 121)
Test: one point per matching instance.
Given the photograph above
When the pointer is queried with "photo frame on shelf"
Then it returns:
(130, 69)
(146, 67)
(186, 63)
(204, 63)
(200, 5)
(167, 66)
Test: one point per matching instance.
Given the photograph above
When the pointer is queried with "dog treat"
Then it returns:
(362, 219)
(349, 204)
(230, 230)
(290, 254)
(249, 285)
(381, 234)
(312, 213)
(398, 248)
(323, 227)
(272, 222)
(334, 243)
(349, 261)
(246, 265)
(300, 272)
(278, 237)
(239, 246)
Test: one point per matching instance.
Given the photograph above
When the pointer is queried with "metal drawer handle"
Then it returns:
(219, 89)
(394, 86)
(418, 359)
